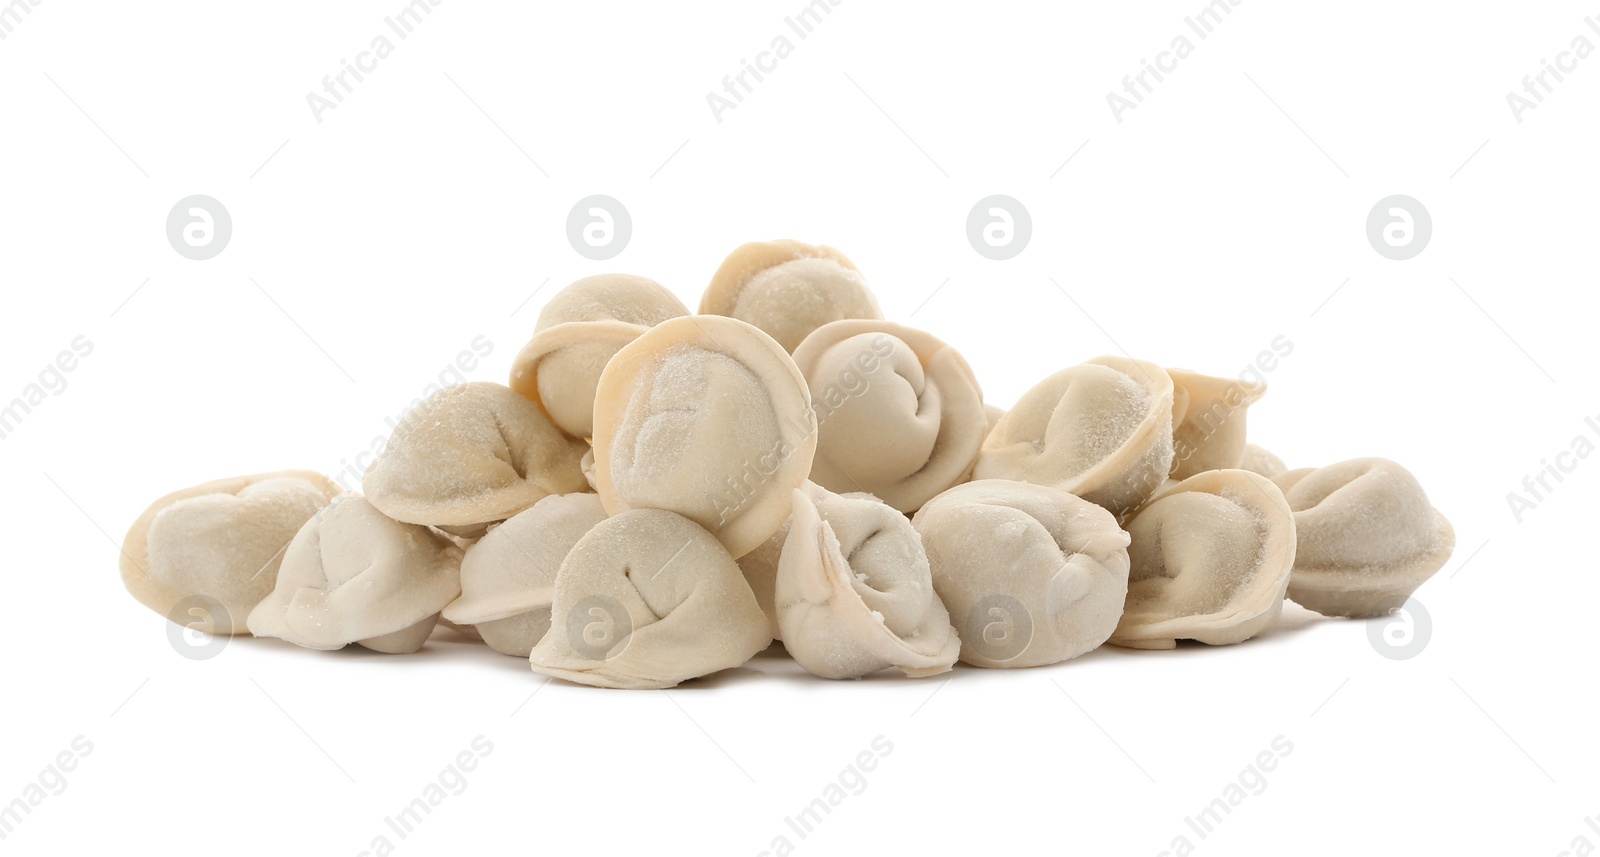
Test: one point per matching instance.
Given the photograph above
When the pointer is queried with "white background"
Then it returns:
(411, 220)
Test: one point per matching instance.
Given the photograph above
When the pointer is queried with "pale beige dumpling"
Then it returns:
(471, 455)
(577, 333)
(508, 577)
(1101, 430)
(788, 289)
(707, 417)
(1031, 575)
(648, 599)
(1210, 559)
(854, 593)
(899, 412)
(1368, 537)
(355, 575)
(218, 544)
(1260, 461)
(1208, 427)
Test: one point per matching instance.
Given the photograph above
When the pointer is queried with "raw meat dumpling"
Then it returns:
(788, 289)
(707, 417)
(1368, 537)
(354, 575)
(1031, 574)
(1208, 421)
(854, 592)
(648, 599)
(219, 543)
(1210, 560)
(577, 333)
(1259, 461)
(471, 455)
(899, 413)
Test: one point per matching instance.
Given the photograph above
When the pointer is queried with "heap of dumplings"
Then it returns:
(658, 495)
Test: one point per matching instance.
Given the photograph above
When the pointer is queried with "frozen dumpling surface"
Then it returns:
(707, 417)
(1210, 559)
(854, 591)
(472, 455)
(220, 541)
(899, 413)
(788, 289)
(648, 599)
(354, 575)
(1031, 575)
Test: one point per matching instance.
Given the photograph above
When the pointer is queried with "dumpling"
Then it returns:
(899, 413)
(1208, 421)
(1101, 430)
(1031, 574)
(760, 568)
(1210, 561)
(577, 333)
(707, 417)
(508, 576)
(854, 593)
(471, 455)
(648, 599)
(788, 289)
(992, 413)
(1368, 537)
(1259, 461)
(219, 543)
(354, 575)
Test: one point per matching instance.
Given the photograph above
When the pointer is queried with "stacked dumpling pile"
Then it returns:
(659, 495)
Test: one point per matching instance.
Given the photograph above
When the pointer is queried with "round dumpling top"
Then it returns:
(1368, 537)
(707, 417)
(1259, 461)
(354, 575)
(612, 297)
(1210, 558)
(648, 599)
(218, 544)
(1101, 430)
(788, 289)
(899, 412)
(854, 593)
(508, 576)
(471, 455)
(1031, 575)
(578, 332)
(1209, 421)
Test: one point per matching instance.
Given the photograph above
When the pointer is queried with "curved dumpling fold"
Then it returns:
(1368, 537)
(508, 576)
(648, 599)
(1101, 430)
(354, 575)
(1031, 574)
(219, 543)
(1208, 428)
(788, 289)
(471, 455)
(707, 417)
(1210, 559)
(577, 333)
(899, 413)
(854, 593)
